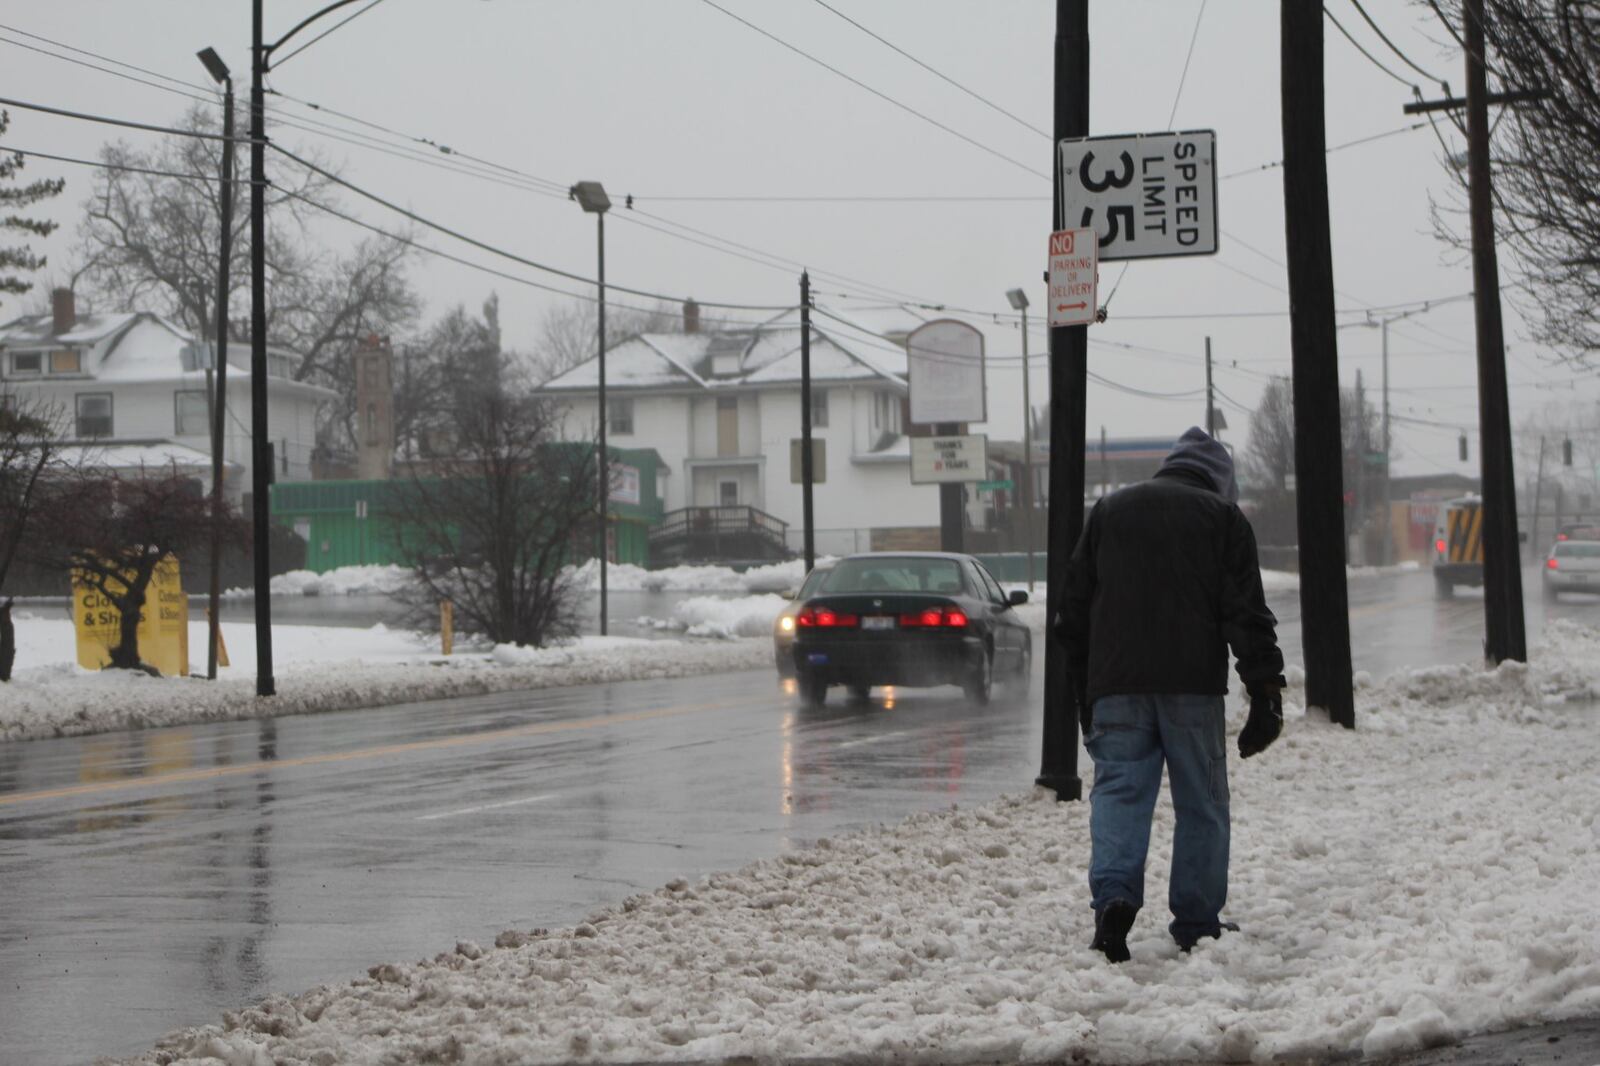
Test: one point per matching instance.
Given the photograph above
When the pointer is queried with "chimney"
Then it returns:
(375, 438)
(64, 309)
(691, 316)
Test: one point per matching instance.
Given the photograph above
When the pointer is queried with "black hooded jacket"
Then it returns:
(1163, 581)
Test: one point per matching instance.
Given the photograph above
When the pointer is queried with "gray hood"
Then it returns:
(1196, 451)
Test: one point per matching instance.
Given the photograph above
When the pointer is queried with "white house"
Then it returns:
(133, 393)
(721, 409)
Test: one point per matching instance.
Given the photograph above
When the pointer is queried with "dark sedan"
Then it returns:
(783, 625)
(913, 619)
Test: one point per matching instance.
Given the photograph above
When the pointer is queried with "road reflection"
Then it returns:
(828, 753)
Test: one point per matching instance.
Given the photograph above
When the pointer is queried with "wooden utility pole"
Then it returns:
(1504, 633)
(1211, 399)
(1069, 383)
(806, 471)
(1319, 478)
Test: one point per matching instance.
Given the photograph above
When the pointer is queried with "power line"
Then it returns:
(206, 96)
(1329, 151)
(112, 166)
(1384, 37)
(1374, 60)
(1183, 77)
(492, 249)
(342, 22)
(875, 92)
(102, 58)
(939, 74)
(125, 123)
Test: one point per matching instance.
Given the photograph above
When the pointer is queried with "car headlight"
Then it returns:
(786, 623)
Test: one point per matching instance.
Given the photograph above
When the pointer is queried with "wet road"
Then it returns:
(151, 880)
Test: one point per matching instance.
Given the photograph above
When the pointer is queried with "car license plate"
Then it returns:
(878, 621)
(817, 658)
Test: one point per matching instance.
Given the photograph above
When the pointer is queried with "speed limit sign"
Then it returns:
(1146, 196)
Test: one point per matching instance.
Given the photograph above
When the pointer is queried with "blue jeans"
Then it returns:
(1131, 738)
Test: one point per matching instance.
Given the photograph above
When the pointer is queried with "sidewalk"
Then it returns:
(1427, 876)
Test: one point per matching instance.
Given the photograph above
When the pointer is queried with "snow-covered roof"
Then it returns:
(152, 455)
(139, 347)
(768, 354)
(36, 331)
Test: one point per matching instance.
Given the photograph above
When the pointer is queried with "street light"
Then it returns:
(591, 196)
(1019, 301)
(260, 449)
(219, 392)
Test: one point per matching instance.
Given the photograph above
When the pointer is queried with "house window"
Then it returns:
(190, 413)
(94, 415)
(619, 417)
(819, 408)
(27, 362)
(66, 361)
(727, 425)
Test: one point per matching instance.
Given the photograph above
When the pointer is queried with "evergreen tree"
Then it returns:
(18, 259)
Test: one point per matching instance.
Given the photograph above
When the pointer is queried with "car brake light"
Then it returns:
(825, 618)
(1439, 546)
(1561, 536)
(1552, 564)
(947, 617)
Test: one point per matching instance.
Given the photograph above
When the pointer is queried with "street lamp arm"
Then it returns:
(302, 24)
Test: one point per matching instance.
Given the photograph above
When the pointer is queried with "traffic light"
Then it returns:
(1462, 443)
(1566, 453)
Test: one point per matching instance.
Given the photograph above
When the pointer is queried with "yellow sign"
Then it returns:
(163, 624)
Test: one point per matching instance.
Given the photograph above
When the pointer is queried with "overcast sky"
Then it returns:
(663, 99)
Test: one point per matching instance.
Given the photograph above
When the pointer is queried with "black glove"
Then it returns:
(1266, 717)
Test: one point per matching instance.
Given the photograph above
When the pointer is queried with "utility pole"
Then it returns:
(219, 402)
(1324, 598)
(1504, 634)
(260, 447)
(1105, 465)
(1211, 400)
(1361, 500)
(1069, 382)
(806, 473)
(1538, 488)
(1019, 300)
(952, 522)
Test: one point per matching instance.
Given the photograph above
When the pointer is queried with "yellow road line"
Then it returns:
(1390, 605)
(210, 773)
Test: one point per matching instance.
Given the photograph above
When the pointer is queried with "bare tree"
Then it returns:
(150, 237)
(568, 330)
(1268, 462)
(18, 259)
(30, 451)
(491, 527)
(456, 356)
(1545, 161)
(115, 531)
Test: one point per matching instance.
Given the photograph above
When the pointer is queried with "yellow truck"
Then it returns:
(1458, 545)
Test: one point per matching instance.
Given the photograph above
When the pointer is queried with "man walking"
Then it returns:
(1163, 581)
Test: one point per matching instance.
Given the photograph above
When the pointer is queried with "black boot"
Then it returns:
(1111, 925)
(1186, 943)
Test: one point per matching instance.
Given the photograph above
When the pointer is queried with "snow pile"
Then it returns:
(959, 936)
(1396, 890)
(778, 577)
(344, 581)
(713, 616)
(320, 669)
(754, 616)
